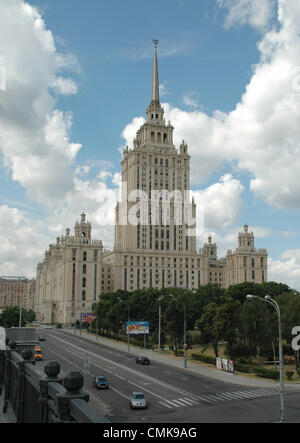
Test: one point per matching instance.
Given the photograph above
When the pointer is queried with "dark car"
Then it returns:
(100, 382)
(41, 338)
(58, 326)
(142, 360)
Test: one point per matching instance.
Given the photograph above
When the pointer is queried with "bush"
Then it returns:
(204, 358)
(289, 374)
(267, 373)
(241, 367)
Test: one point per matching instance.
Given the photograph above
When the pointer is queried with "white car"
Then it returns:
(138, 400)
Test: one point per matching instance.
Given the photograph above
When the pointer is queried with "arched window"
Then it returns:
(84, 256)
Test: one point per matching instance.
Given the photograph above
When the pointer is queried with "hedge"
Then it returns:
(205, 358)
(267, 373)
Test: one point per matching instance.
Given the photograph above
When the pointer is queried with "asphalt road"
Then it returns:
(174, 395)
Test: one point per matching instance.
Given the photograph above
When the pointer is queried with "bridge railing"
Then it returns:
(37, 397)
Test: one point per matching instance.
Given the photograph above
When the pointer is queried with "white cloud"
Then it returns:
(256, 13)
(223, 203)
(286, 270)
(65, 86)
(262, 134)
(23, 241)
(34, 136)
(190, 100)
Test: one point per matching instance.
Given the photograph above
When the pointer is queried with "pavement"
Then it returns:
(178, 362)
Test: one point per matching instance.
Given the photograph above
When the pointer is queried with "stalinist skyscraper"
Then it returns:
(155, 235)
(155, 242)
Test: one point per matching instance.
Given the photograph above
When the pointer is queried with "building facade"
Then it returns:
(17, 291)
(155, 233)
(69, 278)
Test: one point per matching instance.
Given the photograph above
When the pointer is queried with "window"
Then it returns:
(84, 269)
(84, 256)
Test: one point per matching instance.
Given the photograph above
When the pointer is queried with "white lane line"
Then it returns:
(189, 401)
(116, 390)
(166, 385)
(230, 396)
(212, 398)
(119, 376)
(243, 394)
(265, 393)
(186, 402)
(165, 405)
(171, 402)
(218, 397)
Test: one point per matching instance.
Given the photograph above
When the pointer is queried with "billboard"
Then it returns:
(137, 327)
(225, 365)
(87, 318)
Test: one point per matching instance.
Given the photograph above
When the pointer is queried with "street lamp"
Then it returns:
(272, 302)
(159, 322)
(128, 308)
(184, 331)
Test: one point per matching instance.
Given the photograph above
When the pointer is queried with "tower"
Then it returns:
(155, 212)
(246, 263)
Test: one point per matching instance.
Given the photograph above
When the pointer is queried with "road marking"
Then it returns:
(140, 374)
(165, 405)
(189, 401)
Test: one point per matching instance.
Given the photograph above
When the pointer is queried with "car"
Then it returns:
(41, 338)
(38, 353)
(58, 326)
(100, 382)
(137, 400)
(142, 360)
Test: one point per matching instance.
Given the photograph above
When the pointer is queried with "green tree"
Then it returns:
(206, 324)
(10, 317)
(227, 322)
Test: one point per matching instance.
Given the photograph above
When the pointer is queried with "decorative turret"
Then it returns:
(83, 229)
(246, 239)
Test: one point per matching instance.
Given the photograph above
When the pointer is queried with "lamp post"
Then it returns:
(97, 321)
(20, 317)
(272, 302)
(184, 331)
(128, 309)
(159, 322)
(128, 327)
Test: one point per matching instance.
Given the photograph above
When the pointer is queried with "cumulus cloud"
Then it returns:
(34, 136)
(256, 13)
(262, 134)
(22, 242)
(223, 203)
(286, 270)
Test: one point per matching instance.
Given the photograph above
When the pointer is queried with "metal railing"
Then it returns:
(37, 397)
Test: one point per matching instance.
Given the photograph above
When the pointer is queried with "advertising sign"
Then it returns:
(87, 318)
(137, 327)
(223, 364)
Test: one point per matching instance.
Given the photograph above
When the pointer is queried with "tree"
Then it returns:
(10, 317)
(227, 322)
(258, 327)
(208, 333)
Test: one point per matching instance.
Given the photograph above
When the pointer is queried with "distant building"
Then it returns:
(69, 278)
(155, 250)
(17, 291)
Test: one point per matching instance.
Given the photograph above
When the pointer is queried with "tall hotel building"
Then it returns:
(155, 233)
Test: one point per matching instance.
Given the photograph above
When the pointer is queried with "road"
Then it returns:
(175, 395)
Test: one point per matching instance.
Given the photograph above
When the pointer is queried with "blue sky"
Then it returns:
(79, 74)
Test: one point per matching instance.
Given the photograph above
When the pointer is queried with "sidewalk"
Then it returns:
(197, 368)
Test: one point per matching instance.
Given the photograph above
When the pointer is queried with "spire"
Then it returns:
(155, 81)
